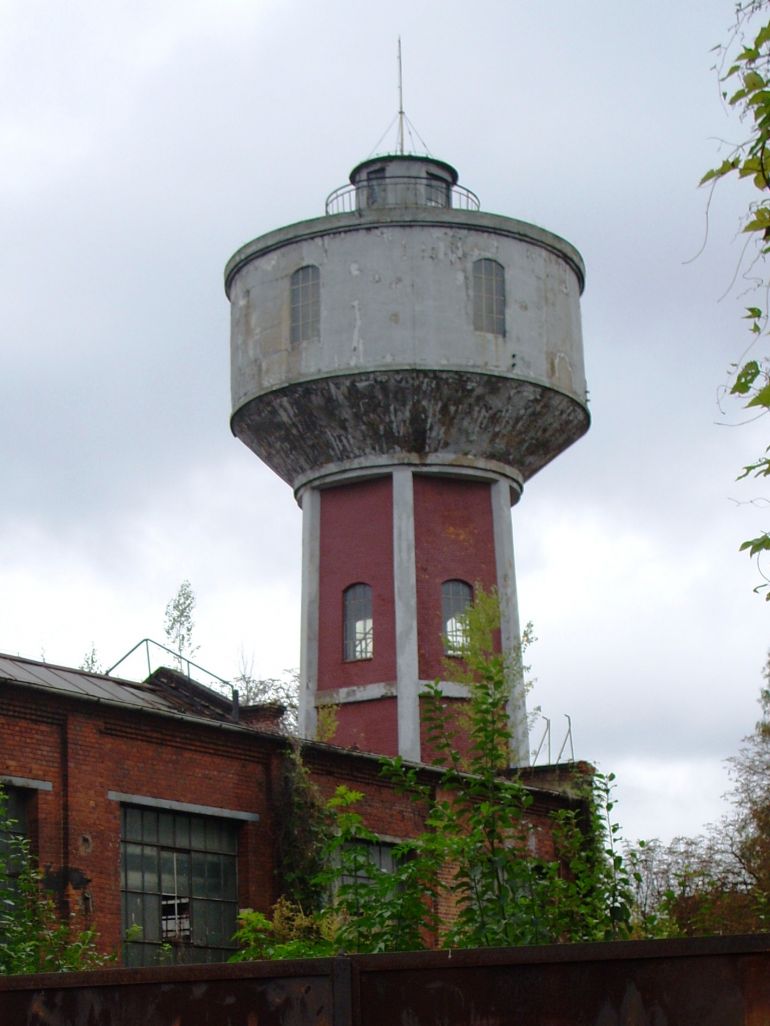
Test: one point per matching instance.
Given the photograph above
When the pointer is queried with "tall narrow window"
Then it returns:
(13, 829)
(358, 639)
(489, 297)
(179, 886)
(305, 304)
(456, 596)
(16, 812)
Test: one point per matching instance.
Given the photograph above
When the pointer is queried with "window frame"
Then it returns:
(489, 296)
(454, 633)
(178, 876)
(17, 839)
(305, 304)
(370, 855)
(357, 622)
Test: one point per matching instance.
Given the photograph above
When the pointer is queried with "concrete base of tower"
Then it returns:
(510, 425)
(390, 562)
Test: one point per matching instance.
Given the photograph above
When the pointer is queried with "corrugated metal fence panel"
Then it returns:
(711, 982)
(251, 994)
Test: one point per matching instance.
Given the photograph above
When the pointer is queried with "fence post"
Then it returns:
(342, 991)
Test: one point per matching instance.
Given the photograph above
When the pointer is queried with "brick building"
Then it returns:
(158, 804)
(406, 362)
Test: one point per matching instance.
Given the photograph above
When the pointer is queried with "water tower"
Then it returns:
(405, 363)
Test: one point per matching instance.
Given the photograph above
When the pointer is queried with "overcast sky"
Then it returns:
(144, 142)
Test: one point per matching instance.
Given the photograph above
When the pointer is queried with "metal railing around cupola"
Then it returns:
(400, 191)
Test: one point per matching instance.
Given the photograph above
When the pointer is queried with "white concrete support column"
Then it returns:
(308, 656)
(510, 631)
(405, 591)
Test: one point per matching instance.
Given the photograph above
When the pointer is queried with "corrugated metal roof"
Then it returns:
(82, 684)
(166, 692)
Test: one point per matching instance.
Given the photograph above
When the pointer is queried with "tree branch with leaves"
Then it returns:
(744, 65)
(178, 624)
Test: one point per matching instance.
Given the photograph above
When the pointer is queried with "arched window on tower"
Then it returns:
(489, 297)
(456, 596)
(305, 294)
(358, 632)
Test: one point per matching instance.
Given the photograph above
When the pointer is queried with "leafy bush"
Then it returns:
(475, 876)
(33, 939)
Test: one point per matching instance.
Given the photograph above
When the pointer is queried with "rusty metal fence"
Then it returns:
(710, 982)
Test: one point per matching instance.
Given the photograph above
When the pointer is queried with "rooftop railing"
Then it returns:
(400, 192)
(156, 655)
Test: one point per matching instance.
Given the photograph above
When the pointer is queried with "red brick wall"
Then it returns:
(454, 539)
(92, 751)
(455, 719)
(31, 746)
(356, 546)
(368, 726)
(86, 750)
(384, 812)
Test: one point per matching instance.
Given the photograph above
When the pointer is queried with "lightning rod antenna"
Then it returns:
(400, 103)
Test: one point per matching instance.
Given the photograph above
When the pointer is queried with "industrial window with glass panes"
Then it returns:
(179, 886)
(365, 856)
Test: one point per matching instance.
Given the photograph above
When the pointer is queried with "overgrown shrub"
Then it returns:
(33, 938)
(474, 877)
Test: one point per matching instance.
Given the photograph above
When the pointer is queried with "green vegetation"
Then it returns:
(179, 630)
(745, 65)
(481, 873)
(33, 938)
(719, 882)
(91, 662)
(178, 624)
(283, 690)
(303, 834)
